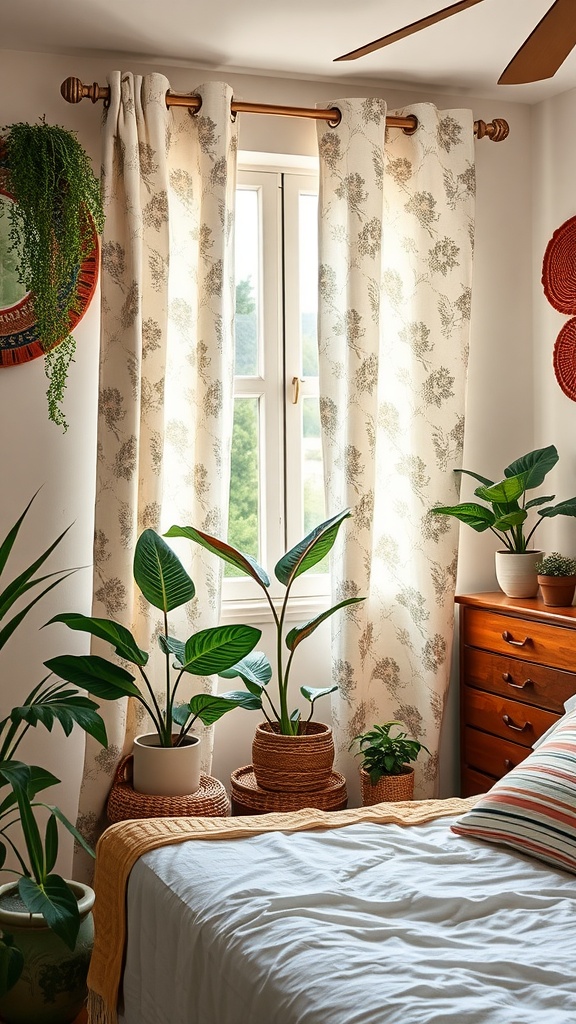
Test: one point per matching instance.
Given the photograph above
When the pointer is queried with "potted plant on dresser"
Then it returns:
(166, 760)
(557, 579)
(385, 770)
(289, 755)
(45, 920)
(506, 515)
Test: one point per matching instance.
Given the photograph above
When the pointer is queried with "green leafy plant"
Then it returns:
(57, 207)
(506, 514)
(165, 584)
(383, 754)
(40, 888)
(556, 565)
(256, 670)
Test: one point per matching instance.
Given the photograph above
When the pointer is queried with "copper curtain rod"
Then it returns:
(73, 91)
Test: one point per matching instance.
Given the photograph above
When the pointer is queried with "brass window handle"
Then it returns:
(517, 728)
(296, 382)
(515, 643)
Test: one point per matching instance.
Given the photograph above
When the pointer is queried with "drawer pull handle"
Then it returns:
(517, 728)
(515, 643)
(516, 686)
(508, 764)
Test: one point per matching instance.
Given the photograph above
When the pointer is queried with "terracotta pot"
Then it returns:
(166, 771)
(388, 789)
(52, 987)
(293, 763)
(557, 591)
(516, 573)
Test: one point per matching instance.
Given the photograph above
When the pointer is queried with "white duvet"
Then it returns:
(368, 924)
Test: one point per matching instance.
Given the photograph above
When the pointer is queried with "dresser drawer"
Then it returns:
(474, 782)
(509, 719)
(491, 755)
(526, 639)
(532, 684)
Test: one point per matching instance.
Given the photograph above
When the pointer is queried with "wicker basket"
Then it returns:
(249, 798)
(293, 763)
(209, 801)
(388, 789)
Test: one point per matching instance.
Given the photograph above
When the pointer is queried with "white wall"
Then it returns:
(501, 421)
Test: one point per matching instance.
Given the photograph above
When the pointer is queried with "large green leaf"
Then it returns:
(11, 625)
(124, 643)
(299, 633)
(77, 836)
(56, 902)
(254, 670)
(66, 707)
(510, 519)
(170, 645)
(22, 582)
(38, 779)
(245, 563)
(563, 508)
(477, 516)
(102, 678)
(534, 467)
(214, 650)
(504, 492)
(16, 774)
(475, 476)
(311, 693)
(311, 550)
(51, 844)
(11, 963)
(160, 574)
(209, 708)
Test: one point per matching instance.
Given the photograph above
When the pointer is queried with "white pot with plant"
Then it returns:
(557, 579)
(507, 515)
(385, 770)
(166, 760)
(45, 919)
(288, 754)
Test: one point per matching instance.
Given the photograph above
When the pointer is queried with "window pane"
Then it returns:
(247, 234)
(243, 531)
(314, 508)
(308, 235)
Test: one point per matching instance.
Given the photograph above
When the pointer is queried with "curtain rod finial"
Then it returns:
(74, 91)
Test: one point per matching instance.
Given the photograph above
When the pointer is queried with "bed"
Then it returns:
(382, 915)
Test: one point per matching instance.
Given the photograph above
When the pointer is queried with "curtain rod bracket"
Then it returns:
(74, 91)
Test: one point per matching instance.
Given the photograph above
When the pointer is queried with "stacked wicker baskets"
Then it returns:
(289, 773)
(124, 802)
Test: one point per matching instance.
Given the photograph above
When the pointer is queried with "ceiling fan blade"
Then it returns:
(416, 26)
(546, 47)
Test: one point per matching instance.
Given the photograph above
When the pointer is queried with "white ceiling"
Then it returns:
(298, 37)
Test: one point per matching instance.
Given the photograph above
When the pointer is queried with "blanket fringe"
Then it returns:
(99, 1012)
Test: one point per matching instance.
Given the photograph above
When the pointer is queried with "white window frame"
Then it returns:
(279, 180)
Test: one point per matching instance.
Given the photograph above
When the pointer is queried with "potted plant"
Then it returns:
(287, 753)
(167, 760)
(385, 771)
(45, 920)
(54, 220)
(557, 579)
(506, 514)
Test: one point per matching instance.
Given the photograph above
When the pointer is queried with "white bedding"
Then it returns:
(367, 924)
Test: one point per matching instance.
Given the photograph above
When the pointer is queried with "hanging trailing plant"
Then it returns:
(52, 225)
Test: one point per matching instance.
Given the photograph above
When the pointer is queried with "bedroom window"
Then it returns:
(276, 488)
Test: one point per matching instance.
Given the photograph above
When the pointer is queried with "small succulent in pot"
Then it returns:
(556, 565)
(383, 754)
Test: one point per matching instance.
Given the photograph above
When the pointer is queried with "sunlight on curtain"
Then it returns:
(396, 243)
(166, 365)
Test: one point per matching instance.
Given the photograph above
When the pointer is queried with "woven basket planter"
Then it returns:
(249, 798)
(388, 789)
(296, 764)
(209, 800)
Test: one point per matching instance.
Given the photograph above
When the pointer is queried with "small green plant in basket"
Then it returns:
(384, 754)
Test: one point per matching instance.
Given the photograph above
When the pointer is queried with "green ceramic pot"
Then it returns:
(52, 987)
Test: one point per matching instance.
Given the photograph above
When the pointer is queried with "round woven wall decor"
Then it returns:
(559, 268)
(565, 358)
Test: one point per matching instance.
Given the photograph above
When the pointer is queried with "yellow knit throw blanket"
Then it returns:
(122, 844)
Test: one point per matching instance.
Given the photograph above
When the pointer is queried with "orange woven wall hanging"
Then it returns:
(559, 283)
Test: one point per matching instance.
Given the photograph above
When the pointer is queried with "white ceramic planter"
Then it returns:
(52, 987)
(166, 771)
(516, 574)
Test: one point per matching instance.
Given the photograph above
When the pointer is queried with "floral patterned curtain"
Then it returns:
(166, 369)
(396, 243)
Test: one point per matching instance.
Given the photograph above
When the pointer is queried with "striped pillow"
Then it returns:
(533, 808)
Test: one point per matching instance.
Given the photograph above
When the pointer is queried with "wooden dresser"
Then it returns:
(517, 667)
